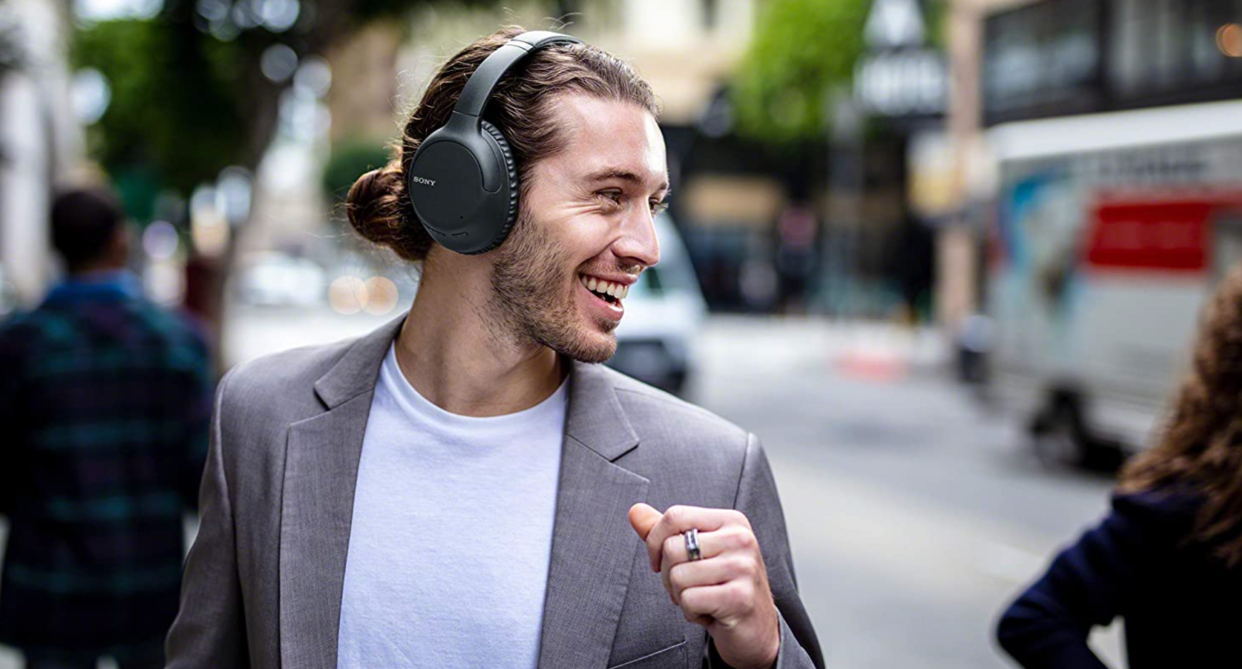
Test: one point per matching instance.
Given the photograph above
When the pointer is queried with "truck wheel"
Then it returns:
(1061, 439)
(1056, 437)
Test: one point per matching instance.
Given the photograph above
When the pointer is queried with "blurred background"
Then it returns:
(944, 256)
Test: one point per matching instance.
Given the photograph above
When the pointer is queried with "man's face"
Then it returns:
(586, 221)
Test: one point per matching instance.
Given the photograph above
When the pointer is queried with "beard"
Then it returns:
(530, 297)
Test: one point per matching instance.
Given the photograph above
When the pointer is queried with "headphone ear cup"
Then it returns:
(503, 144)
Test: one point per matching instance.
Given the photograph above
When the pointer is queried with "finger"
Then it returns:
(730, 538)
(708, 572)
(724, 602)
(643, 517)
(711, 544)
(666, 568)
(678, 519)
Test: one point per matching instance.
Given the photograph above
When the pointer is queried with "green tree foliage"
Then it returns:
(174, 107)
(349, 159)
(802, 50)
(188, 94)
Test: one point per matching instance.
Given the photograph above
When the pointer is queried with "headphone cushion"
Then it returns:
(511, 168)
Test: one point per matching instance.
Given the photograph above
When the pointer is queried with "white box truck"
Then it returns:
(1110, 232)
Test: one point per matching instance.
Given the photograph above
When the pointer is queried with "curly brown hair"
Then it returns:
(521, 106)
(1200, 447)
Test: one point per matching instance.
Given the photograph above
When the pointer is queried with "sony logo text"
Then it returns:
(425, 182)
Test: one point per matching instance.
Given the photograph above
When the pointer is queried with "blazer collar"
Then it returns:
(357, 371)
(594, 416)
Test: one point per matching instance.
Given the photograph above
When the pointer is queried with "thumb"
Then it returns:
(644, 517)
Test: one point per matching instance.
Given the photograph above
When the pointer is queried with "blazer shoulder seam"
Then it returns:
(677, 404)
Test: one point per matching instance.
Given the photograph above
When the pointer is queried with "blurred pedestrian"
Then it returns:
(1168, 558)
(105, 402)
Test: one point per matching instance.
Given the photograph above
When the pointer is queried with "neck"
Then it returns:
(455, 354)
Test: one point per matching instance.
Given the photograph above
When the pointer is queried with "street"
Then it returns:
(914, 514)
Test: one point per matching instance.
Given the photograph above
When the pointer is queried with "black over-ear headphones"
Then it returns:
(462, 180)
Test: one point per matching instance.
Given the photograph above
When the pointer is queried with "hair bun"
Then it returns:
(376, 210)
(367, 203)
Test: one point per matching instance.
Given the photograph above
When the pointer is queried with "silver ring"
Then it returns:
(692, 544)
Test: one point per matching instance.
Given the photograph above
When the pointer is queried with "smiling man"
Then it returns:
(466, 486)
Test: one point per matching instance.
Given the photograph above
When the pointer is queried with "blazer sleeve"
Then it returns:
(209, 631)
(1088, 583)
(758, 499)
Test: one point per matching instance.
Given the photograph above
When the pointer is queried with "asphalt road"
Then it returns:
(914, 515)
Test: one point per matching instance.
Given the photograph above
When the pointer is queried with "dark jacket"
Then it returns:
(1182, 607)
(105, 401)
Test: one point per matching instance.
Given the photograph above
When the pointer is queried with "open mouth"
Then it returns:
(612, 293)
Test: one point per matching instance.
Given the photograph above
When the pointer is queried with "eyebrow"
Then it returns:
(624, 175)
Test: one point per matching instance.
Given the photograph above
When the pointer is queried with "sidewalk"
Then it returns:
(873, 350)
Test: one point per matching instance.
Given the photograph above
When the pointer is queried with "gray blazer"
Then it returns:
(262, 584)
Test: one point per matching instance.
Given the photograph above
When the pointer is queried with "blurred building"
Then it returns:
(889, 169)
(40, 141)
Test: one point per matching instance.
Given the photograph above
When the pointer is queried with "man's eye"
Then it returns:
(658, 207)
(611, 195)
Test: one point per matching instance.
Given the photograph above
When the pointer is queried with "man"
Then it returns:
(105, 400)
(464, 487)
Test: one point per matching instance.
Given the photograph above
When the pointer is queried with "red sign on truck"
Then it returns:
(1168, 235)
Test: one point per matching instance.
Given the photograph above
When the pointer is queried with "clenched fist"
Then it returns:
(726, 591)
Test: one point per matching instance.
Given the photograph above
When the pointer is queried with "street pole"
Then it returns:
(849, 176)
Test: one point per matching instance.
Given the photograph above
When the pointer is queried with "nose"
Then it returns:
(638, 243)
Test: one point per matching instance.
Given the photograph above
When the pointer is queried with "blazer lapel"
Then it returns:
(592, 543)
(321, 471)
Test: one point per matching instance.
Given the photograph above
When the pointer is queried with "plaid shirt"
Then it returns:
(105, 401)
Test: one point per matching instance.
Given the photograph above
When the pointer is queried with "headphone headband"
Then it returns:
(462, 180)
(478, 90)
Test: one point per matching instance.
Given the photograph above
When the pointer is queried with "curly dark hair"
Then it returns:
(1200, 446)
(521, 106)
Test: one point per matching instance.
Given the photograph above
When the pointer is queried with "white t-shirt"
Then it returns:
(452, 533)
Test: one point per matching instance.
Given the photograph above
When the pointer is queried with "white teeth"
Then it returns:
(603, 287)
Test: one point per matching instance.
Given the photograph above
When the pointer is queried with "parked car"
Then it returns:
(663, 313)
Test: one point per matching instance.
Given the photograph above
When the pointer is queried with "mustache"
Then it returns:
(630, 269)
